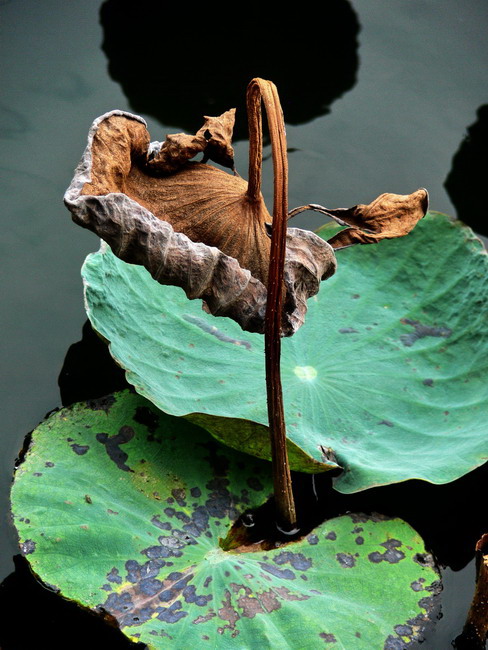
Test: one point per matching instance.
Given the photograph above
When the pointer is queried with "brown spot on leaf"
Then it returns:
(112, 446)
(392, 555)
(346, 560)
(327, 638)
(204, 619)
(79, 449)
(28, 547)
(421, 331)
(227, 612)
(211, 329)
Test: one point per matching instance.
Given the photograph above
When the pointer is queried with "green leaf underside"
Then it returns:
(388, 370)
(118, 508)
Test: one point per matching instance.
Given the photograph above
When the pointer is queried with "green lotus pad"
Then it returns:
(389, 370)
(122, 507)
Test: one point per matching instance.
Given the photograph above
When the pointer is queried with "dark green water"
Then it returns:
(387, 113)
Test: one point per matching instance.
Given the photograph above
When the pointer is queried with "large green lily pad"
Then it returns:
(121, 508)
(389, 370)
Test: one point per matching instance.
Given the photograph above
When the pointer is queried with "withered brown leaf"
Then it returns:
(217, 131)
(214, 239)
(196, 228)
(213, 139)
(203, 202)
(387, 217)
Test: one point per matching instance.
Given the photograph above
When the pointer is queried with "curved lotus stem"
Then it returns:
(263, 91)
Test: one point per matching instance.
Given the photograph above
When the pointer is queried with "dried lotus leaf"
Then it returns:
(214, 139)
(203, 202)
(387, 217)
(217, 131)
(175, 152)
(111, 195)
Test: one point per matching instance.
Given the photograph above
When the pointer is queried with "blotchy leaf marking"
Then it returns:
(297, 560)
(211, 329)
(404, 630)
(113, 576)
(346, 560)
(228, 613)
(327, 638)
(284, 574)
(28, 547)
(421, 331)
(391, 555)
(144, 599)
(112, 443)
(79, 449)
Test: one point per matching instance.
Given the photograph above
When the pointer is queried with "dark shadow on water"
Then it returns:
(466, 182)
(88, 370)
(177, 64)
(34, 617)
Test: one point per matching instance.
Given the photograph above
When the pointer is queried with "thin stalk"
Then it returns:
(260, 90)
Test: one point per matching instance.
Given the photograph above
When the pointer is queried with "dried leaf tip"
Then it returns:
(213, 140)
(387, 217)
(217, 132)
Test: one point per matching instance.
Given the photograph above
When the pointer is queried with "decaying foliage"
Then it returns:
(199, 227)
(387, 217)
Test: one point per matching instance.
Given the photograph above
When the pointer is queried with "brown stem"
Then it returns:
(315, 207)
(475, 631)
(265, 91)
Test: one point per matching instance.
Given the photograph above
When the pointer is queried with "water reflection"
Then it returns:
(88, 370)
(466, 182)
(166, 62)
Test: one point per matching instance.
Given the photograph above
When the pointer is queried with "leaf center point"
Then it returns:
(305, 373)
